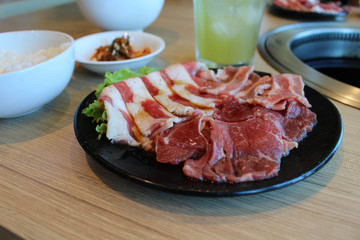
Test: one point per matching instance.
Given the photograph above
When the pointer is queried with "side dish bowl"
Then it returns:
(85, 48)
(110, 15)
(27, 89)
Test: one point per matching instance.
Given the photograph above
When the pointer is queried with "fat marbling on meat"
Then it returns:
(232, 125)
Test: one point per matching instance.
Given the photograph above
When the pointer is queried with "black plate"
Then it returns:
(313, 152)
(309, 16)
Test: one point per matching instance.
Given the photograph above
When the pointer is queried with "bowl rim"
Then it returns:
(126, 61)
(68, 36)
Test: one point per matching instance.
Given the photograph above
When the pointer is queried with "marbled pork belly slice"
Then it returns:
(175, 104)
(181, 80)
(196, 71)
(234, 81)
(120, 126)
(148, 115)
(228, 80)
(255, 86)
(284, 89)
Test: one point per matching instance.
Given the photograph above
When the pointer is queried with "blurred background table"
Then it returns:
(51, 189)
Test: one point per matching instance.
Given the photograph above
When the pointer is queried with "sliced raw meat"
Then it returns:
(175, 104)
(184, 141)
(311, 6)
(241, 151)
(284, 89)
(236, 82)
(232, 110)
(256, 86)
(298, 121)
(226, 126)
(180, 81)
(148, 115)
(121, 127)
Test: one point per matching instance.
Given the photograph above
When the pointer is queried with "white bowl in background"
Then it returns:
(131, 15)
(24, 91)
(86, 46)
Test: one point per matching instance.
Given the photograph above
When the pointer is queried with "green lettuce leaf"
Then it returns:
(101, 129)
(96, 110)
(121, 75)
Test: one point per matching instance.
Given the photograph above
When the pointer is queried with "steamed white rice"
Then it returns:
(11, 61)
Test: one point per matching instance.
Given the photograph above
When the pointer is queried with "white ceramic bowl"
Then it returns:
(85, 47)
(26, 90)
(131, 15)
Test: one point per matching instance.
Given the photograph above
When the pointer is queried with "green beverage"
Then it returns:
(226, 31)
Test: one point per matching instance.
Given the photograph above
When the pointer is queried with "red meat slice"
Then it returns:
(183, 141)
(218, 147)
(249, 148)
(240, 151)
(257, 149)
(232, 111)
(298, 121)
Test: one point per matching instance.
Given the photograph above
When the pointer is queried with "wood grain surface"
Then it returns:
(51, 189)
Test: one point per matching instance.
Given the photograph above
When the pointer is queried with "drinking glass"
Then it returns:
(226, 31)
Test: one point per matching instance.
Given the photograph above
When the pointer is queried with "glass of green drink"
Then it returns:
(227, 31)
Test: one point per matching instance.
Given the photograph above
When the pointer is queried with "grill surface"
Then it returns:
(326, 55)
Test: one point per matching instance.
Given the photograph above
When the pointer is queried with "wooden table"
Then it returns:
(51, 189)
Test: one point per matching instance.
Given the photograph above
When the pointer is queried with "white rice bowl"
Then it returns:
(35, 67)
